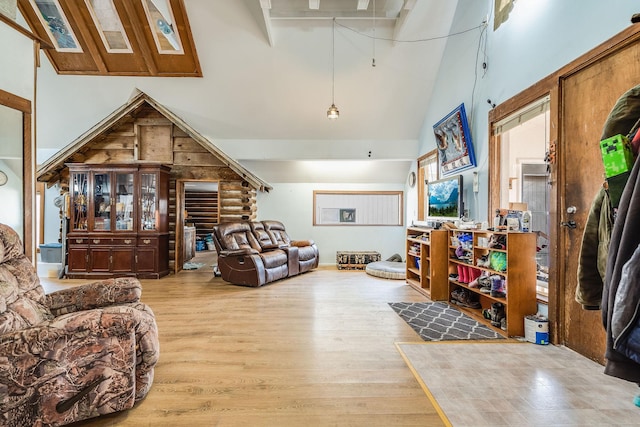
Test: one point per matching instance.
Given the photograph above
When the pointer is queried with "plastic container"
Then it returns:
(199, 245)
(526, 221)
(536, 329)
(51, 252)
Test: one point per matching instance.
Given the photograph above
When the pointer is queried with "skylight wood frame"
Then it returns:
(102, 31)
(63, 25)
(163, 29)
(95, 59)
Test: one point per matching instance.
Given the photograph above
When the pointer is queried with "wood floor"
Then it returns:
(314, 350)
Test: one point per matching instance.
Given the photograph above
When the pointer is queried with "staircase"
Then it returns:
(202, 211)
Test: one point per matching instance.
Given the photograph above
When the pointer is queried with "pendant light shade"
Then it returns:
(332, 112)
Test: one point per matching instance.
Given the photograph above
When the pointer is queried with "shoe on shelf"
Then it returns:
(464, 298)
(497, 314)
(484, 283)
(498, 288)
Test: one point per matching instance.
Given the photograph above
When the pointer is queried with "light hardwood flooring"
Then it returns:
(314, 350)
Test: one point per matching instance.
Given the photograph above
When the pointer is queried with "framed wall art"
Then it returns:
(453, 140)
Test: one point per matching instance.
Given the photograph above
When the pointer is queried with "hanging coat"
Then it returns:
(621, 295)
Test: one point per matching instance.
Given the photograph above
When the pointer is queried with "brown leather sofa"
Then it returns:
(253, 253)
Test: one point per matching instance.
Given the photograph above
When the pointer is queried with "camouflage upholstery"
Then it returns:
(73, 354)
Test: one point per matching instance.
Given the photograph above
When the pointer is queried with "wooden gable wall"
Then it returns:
(148, 136)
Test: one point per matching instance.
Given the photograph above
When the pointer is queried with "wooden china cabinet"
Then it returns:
(118, 221)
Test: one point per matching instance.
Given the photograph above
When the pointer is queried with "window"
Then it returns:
(357, 208)
(162, 26)
(427, 171)
(523, 141)
(108, 23)
(56, 24)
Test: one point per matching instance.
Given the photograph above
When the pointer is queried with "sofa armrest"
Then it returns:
(89, 357)
(302, 243)
(94, 295)
(271, 246)
(237, 252)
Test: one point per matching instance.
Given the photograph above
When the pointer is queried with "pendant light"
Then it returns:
(332, 112)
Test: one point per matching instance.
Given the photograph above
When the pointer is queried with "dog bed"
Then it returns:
(387, 269)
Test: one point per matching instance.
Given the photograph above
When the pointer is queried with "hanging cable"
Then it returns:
(411, 41)
(373, 60)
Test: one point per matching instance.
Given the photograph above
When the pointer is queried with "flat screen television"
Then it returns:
(445, 199)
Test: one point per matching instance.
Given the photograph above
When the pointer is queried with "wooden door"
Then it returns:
(146, 257)
(78, 256)
(100, 259)
(122, 260)
(587, 96)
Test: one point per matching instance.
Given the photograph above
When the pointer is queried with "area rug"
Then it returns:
(436, 321)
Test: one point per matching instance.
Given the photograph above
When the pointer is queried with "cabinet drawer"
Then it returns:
(77, 241)
(147, 241)
(124, 241)
(100, 241)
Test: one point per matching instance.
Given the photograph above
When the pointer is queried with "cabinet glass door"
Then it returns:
(124, 201)
(79, 201)
(102, 202)
(149, 201)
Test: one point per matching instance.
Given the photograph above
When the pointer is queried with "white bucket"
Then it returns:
(536, 329)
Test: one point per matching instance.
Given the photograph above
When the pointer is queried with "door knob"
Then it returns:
(571, 209)
(570, 224)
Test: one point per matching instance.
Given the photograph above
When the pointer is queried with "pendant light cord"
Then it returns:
(333, 62)
(373, 60)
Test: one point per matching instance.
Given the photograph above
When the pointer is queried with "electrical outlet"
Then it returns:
(476, 182)
(486, 19)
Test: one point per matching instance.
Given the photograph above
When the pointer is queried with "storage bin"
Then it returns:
(51, 252)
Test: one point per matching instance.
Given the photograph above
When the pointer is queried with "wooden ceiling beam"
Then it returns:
(265, 6)
(363, 4)
(406, 10)
(138, 30)
(89, 43)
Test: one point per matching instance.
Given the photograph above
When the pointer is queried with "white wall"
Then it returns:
(11, 196)
(16, 77)
(16, 51)
(540, 37)
(293, 205)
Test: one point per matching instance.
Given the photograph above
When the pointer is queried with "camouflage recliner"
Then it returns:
(73, 354)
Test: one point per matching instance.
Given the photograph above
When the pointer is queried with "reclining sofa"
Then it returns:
(253, 253)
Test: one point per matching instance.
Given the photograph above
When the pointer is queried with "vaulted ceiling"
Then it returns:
(268, 72)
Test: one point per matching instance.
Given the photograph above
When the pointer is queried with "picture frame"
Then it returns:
(454, 143)
(347, 215)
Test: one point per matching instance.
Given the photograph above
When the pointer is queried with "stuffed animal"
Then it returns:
(498, 260)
